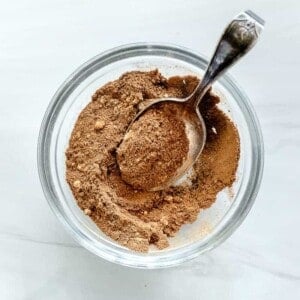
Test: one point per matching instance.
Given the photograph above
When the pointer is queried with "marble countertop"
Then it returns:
(41, 43)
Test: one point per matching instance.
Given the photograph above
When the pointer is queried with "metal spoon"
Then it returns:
(238, 38)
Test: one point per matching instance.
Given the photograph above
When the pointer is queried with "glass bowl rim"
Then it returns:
(114, 255)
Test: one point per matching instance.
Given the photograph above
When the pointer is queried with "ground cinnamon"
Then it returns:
(132, 217)
(154, 148)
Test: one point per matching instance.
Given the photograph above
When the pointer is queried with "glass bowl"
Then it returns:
(213, 225)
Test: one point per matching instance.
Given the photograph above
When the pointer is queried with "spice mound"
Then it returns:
(154, 148)
(133, 217)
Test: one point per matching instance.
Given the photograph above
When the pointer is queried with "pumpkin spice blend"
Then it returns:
(129, 213)
(154, 148)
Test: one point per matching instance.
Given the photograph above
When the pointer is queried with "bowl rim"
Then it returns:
(134, 260)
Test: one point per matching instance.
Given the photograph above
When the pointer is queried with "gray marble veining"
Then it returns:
(41, 43)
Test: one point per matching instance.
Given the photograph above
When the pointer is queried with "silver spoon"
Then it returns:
(238, 38)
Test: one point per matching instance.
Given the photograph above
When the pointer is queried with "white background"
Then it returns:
(41, 43)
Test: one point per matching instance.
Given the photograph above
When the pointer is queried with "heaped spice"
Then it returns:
(154, 148)
(133, 217)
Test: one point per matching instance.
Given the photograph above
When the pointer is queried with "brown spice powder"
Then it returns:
(154, 148)
(136, 218)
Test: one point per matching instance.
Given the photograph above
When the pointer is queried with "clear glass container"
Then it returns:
(213, 225)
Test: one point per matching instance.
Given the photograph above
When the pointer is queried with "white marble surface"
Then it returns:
(41, 42)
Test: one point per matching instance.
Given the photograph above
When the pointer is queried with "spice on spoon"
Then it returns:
(154, 148)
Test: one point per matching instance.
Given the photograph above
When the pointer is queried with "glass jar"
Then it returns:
(214, 224)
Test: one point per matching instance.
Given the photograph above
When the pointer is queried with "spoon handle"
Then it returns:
(238, 38)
